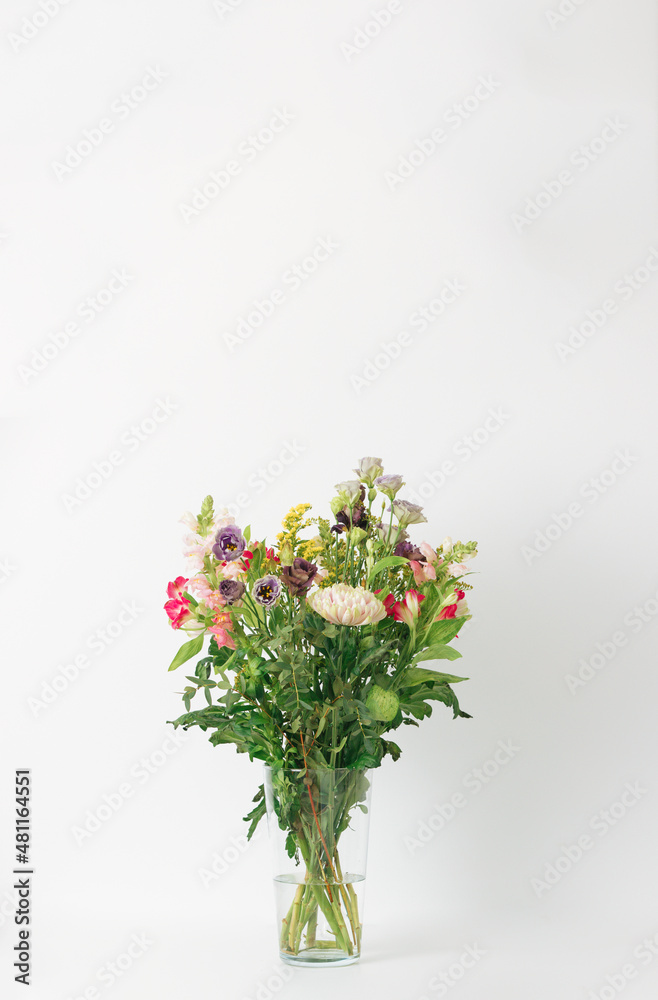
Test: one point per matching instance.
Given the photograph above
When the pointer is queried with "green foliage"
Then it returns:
(187, 651)
(296, 691)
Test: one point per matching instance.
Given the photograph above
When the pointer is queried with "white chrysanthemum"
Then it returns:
(345, 605)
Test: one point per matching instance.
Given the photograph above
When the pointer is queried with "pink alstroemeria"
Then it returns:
(178, 608)
(407, 611)
(455, 610)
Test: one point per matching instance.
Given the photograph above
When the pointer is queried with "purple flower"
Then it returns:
(231, 590)
(266, 591)
(355, 518)
(407, 512)
(390, 485)
(299, 577)
(229, 543)
(409, 551)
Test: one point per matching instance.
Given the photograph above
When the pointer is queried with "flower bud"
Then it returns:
(336, 505)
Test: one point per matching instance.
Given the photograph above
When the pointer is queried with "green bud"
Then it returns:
(358, 534)
(206, 517)
(337, 505)
(286, 554)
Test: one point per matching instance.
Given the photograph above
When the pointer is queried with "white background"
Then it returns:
(528, 276)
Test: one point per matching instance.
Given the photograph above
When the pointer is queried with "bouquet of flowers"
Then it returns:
(315, 653)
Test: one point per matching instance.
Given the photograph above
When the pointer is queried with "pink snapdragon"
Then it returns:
(422, 571)
(221, 629)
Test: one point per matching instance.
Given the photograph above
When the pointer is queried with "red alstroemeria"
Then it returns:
(389, 604)
(269, 554)
(405, 611)
(178, 608)
(451, 610)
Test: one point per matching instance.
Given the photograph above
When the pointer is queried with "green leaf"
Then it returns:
(392, 749)
(187, 651)
(256, 813)
(388, 563)
(419, 675)
(438, 652)
(444, 630)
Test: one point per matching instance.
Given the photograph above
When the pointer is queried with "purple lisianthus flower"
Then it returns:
(229, 543)
(231, 590)
(299, 577)
(267, 591)
(389, 485)
(409, 551)
(407, 512)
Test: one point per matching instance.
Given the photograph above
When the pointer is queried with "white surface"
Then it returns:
(494, 348)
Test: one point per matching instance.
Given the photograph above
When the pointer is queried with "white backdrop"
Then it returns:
(242, 245)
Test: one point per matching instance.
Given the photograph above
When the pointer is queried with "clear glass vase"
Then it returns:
(318, 826)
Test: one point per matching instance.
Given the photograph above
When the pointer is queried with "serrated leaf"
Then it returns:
(187, 651)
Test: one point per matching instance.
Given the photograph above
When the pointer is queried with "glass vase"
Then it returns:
(318, 826)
